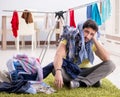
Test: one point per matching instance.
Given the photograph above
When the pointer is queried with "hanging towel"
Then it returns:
(72, 21)
(93, 13)
(96, 14)
(15, 23)
(89, 12)
(106, 10)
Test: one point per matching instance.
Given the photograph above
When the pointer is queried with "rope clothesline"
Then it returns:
(75, 8)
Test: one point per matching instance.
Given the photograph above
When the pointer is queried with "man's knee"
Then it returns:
(110, 65)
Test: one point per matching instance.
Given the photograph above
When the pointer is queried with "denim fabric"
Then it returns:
(89, 12)
(78, 50)
(24, 67)
(19, 86)
(47, 70)
(71, 69)
(24, 76)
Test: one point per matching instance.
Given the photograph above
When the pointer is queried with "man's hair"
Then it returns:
(90, 24)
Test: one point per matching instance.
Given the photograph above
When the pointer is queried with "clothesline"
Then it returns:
(74, 8)
(88, 4)
(27, 11)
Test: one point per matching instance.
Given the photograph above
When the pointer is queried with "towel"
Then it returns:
(93, 13)
(106, 10)
(15, 23)
(72, 21)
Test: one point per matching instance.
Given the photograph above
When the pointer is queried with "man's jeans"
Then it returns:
(88, 76)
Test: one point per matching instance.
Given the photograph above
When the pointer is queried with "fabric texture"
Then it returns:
(93, 13)
(71, 69)
(15, 23)
(89, 12)
(77, 49)
(106, 10)
(96, 14)
(72, 21)
(18, 86)
(27, 15)
(28, 67)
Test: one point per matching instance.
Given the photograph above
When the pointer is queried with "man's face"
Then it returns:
(88, 34)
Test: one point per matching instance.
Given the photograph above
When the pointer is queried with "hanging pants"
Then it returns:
(88, 76)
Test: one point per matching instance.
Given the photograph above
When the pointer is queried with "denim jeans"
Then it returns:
(47, 70)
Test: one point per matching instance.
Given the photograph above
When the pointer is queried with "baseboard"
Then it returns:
(29, 42)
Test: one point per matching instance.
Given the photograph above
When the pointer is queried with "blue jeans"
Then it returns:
(47, 70)
(71, 69)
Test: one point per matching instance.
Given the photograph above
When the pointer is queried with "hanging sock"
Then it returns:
(15, 23)
(72, 21)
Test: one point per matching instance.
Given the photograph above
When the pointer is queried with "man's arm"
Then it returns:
(101, 52)
(58, 60)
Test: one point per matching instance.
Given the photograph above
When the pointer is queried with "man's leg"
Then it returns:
(90, 76)
(47, 70)
(97, 84)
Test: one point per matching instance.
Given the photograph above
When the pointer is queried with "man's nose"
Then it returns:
(88, 36)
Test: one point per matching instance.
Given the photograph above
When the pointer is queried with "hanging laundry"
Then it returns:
(94, 14)
(59, 14)
(106, 10)
(89, 12)
(15, 23)
(27, 15)
(72, 21)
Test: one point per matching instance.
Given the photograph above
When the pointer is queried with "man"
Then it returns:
(82, 74)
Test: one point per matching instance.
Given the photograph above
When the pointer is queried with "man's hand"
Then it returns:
(58, 79)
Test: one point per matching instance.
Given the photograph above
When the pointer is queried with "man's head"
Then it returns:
(89, 29)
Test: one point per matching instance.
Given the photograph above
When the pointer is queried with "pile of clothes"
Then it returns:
(24, 75)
